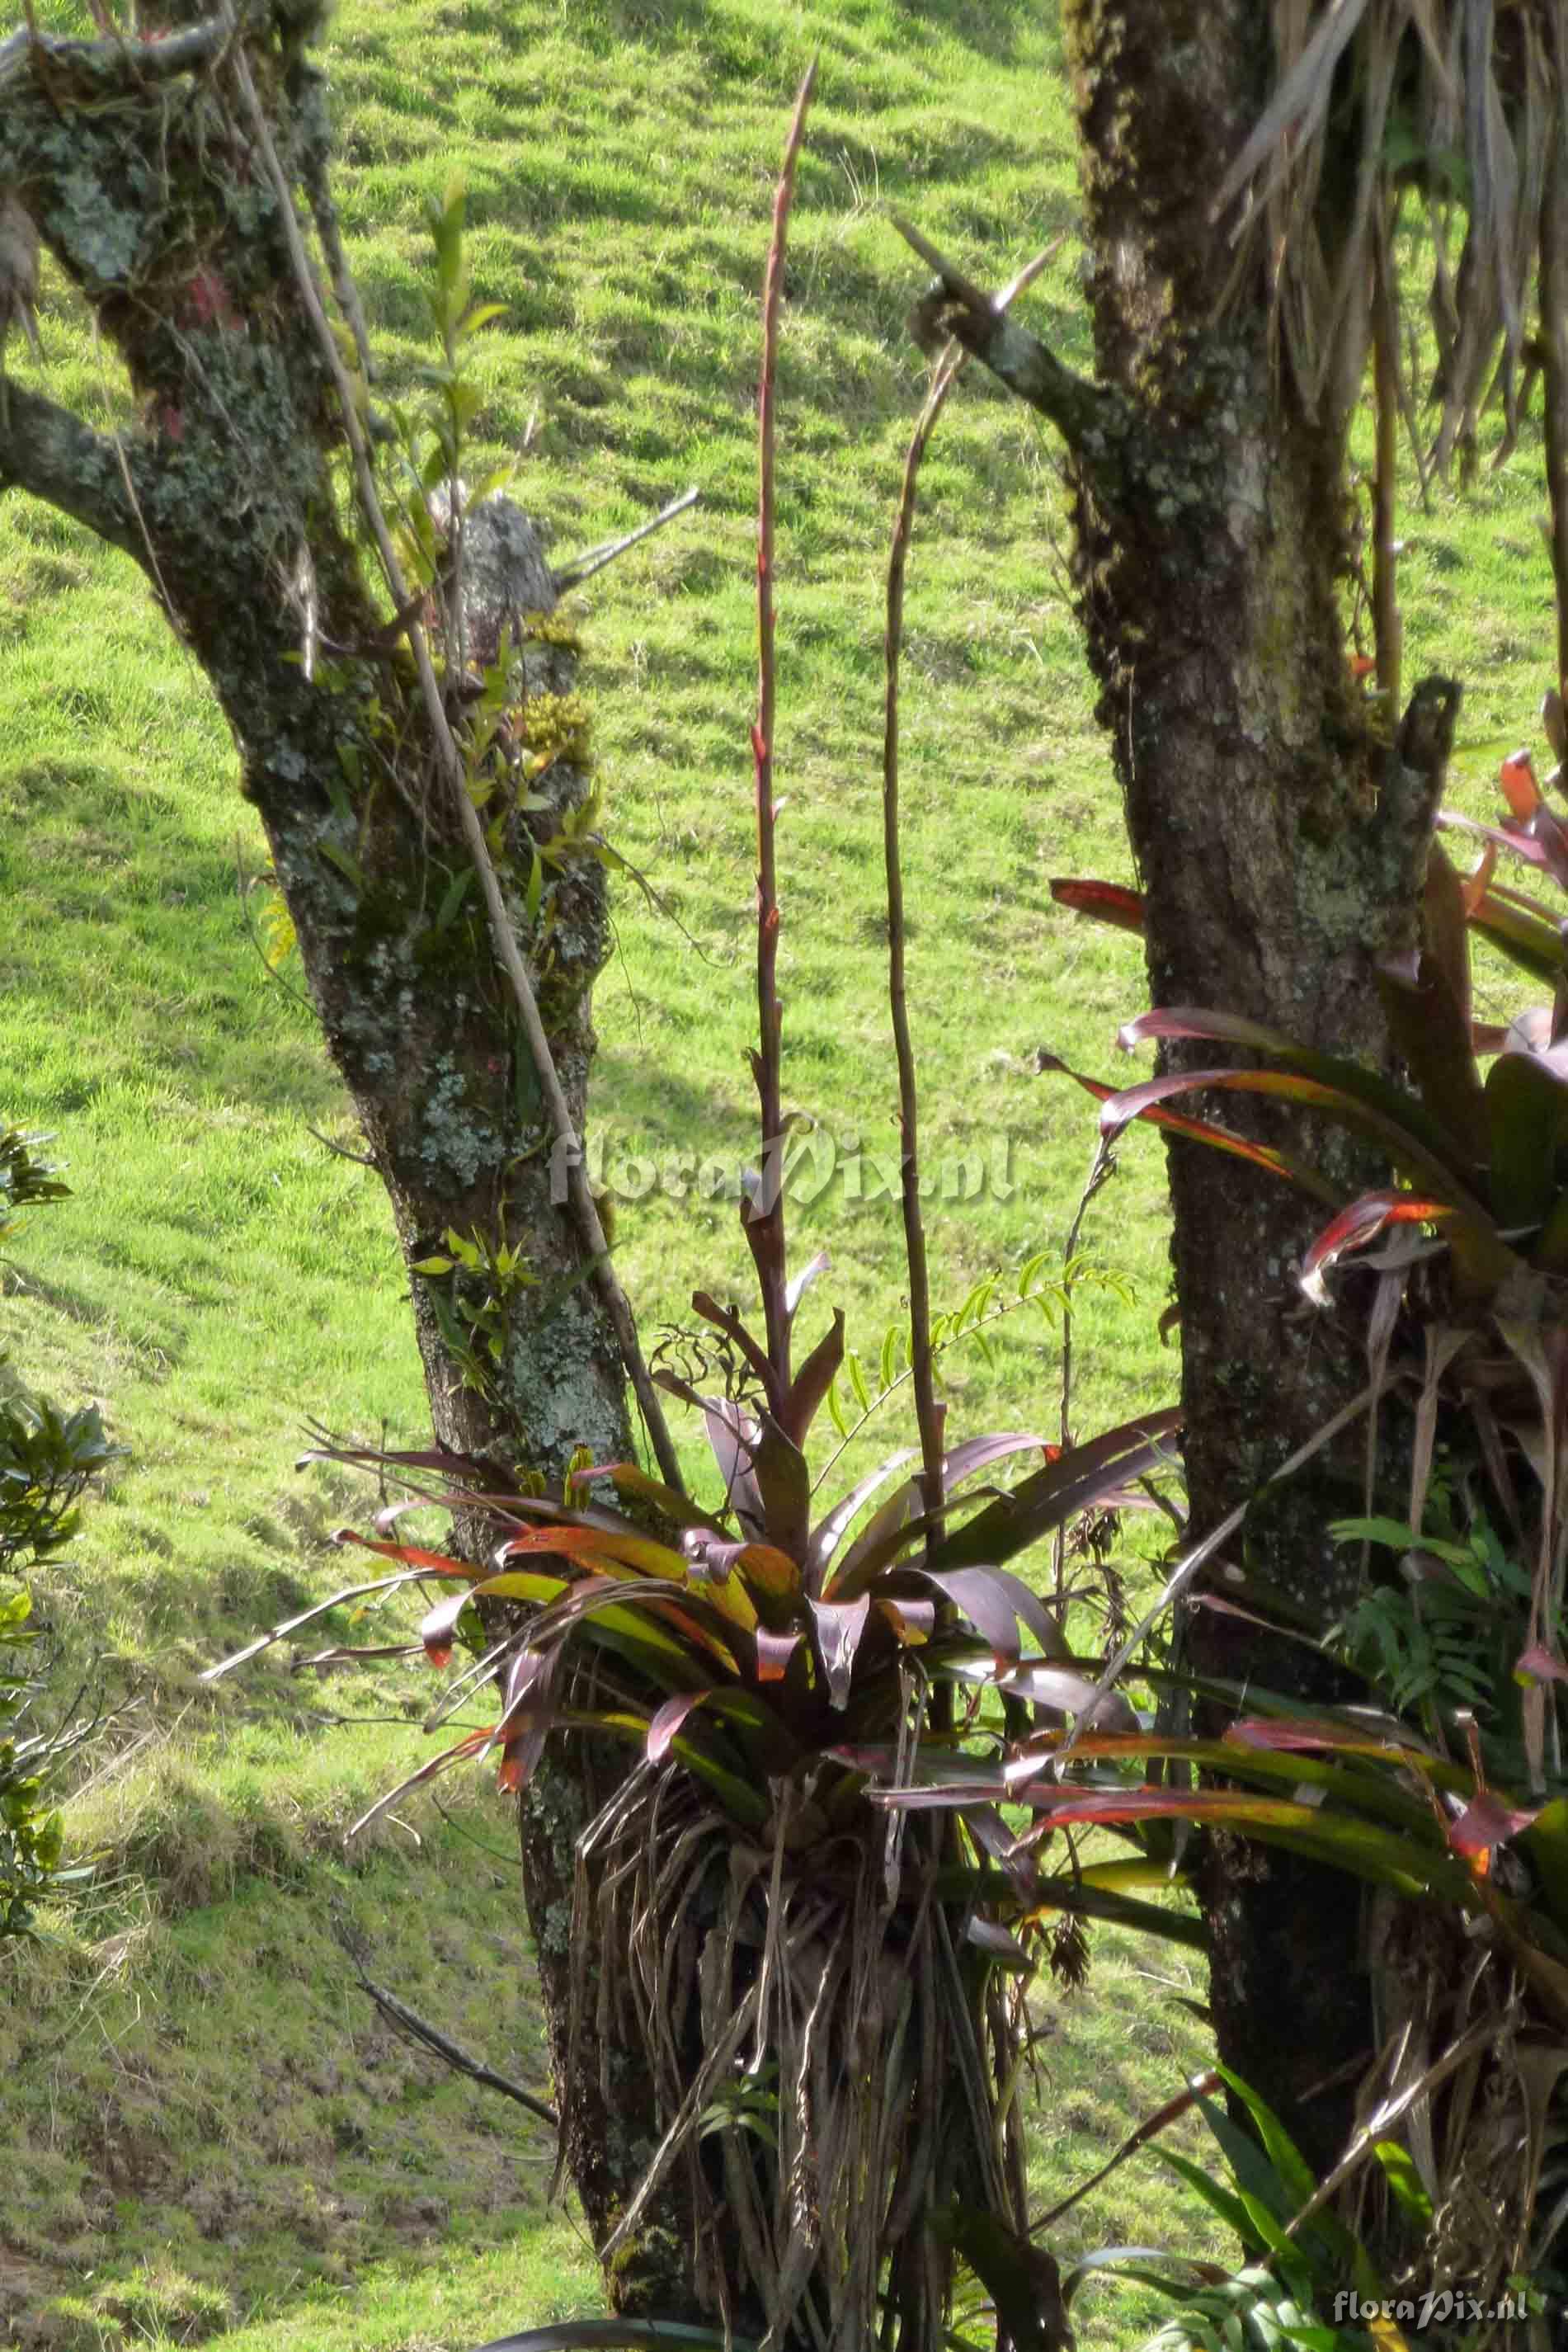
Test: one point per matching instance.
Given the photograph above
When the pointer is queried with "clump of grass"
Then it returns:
(153, 2305)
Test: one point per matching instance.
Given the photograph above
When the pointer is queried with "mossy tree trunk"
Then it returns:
(1281, 849)
(138, 167)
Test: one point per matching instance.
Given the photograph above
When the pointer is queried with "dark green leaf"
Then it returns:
(1527, 1112)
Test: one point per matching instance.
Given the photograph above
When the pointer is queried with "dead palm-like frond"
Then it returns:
(1455, 105)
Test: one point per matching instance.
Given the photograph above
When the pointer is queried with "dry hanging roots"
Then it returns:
(828, 2060)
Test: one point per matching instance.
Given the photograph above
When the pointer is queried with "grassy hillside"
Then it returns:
(196, 2101)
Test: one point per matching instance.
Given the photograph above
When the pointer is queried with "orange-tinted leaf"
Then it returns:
(1408, 1138)
(1473, 887)
(1359, 1224)
(1203, 1130)
(1105, 902)
(428, 1563)
(594, 1544)
(439, 1625)
(911, 1621)
(774, 1652)
(1392, 1112)
(1515, 778)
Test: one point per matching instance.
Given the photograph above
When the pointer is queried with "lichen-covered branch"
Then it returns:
(564, 1126)
(50, 453)
(83, 70)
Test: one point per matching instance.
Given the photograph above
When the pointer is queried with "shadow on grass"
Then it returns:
(647, 1106)
(134, 918)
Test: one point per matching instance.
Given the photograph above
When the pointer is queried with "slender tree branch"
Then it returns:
(764, 1215)
(417, 2029)
(47, 451)
(96, 68)
(451, 759)
(928, 1413)
(927, 1410)
(1090, 418)
(583, 567)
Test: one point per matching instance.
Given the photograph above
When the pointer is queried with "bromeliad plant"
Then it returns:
(1448, 1785)
(1302, 2266)
(1462, 2131)
(819, 1989)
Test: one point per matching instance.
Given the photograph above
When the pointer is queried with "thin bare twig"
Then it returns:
(594, 559)
(764, 1213)
(928, 1411)
(451, 760)
(417, 2029)
(360, 1158)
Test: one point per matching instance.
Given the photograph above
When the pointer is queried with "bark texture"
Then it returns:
(136, 167)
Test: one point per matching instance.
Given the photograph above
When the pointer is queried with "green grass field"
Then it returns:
(206, 2127)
